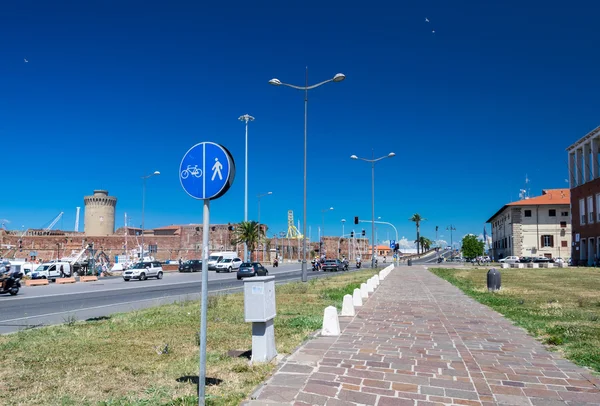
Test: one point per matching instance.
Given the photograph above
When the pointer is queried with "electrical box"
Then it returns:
(259, 299)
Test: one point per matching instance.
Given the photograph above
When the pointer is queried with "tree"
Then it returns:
(247, 232)
(471, 247)
(417, 219)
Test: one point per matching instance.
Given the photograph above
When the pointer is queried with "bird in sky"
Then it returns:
(25, 60)
(426, 19)
(433, 32)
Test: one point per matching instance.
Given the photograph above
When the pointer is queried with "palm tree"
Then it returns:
(247, 232)
(424, 242)
(417, 219)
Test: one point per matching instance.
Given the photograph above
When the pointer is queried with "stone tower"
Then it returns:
(99, 213)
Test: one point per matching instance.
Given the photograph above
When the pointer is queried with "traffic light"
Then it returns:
(355, 219)
(364, 232)
(351, 234)
(397, 247)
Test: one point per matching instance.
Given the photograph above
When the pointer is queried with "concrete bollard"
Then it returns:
(331, 322)
(357, 298)
(370, 286)
(376, 279)
(347, 306)
(364, 292)
(505, 265)
(381, 275)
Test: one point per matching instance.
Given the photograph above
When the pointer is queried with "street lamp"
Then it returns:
(246, 118)
(451, 228)
(343, 223)
(155, 173)
(372, 161)
(258, 197)
(323, 227)
(276, 82)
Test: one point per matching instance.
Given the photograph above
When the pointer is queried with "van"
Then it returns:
(216, 257)
(52, 270)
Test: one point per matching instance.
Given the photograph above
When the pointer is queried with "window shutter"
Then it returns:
(552, 241)
(542, 241)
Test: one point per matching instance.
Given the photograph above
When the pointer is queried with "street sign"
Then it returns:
(206, 171)
(393, 244)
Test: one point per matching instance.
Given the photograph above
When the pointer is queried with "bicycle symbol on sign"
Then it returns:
(191, 170)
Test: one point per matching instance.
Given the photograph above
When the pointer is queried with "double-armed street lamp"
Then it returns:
(451, 228)
(258, 197)
(372, 161)
(246, 118)
(155, 173)
(276, 82)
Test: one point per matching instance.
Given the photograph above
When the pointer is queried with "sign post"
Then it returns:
(206, 172)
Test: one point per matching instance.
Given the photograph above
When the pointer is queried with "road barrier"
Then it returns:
(36, 282)
(61, 281)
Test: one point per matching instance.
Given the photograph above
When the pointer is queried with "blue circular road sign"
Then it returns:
(206, 171)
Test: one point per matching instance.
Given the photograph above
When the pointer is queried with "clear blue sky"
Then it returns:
(114, 90)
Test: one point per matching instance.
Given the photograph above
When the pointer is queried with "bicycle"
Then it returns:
(193, 170)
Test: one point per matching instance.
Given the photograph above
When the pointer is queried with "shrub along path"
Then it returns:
(420, 341)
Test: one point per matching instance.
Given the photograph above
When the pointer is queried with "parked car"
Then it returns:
(143, 271)
(510, 260)
(333, 265)
(559, 260)
(542, 260)
(248, 269)
(525, 260)
(216, 257)
(228, 264)
(191, 265)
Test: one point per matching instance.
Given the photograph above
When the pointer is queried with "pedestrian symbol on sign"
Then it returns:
(217, 169)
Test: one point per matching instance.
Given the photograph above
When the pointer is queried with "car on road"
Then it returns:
(510, 260)
(559, 260)
(333, 265)
(525, 260)
(143, 271)
(249, 269)
(228, 264)
(191, 265)
(542, 260)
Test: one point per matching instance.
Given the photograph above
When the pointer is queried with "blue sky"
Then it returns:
(114, 90)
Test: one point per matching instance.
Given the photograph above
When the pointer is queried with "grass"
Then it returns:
(560, 307)
(150, 357)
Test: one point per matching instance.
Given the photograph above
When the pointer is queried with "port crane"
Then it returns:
(56, 220)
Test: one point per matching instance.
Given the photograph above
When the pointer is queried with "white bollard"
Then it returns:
(381, 275)
(331, 323)
(347, 306)
(357, 298)
(364, 291)
(376, 279)
(370, 286)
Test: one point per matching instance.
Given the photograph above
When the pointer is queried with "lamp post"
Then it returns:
(451, 228)
(258, 197)
(372, 161)
(276, 82)
(246, 118)
(322, 236)
(155, 173)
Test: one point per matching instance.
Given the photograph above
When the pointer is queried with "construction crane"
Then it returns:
(54, 222)
(4, 222)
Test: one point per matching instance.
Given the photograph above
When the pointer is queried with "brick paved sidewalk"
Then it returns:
(420, 341)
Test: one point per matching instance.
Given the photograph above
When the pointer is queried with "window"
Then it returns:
(582, 212)
(566, 213)
(598, 206)
(527, 213)
(153, 248)
(563, 224)
(590, 209)
(552, 213)
(563, 244)
(547, 241)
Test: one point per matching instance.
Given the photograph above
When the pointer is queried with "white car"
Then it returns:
(143, 271)
(559, 260)
(228, 264)
(510, 260)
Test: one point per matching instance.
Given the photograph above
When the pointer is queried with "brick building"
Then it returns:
(584, 180)
(533, 227)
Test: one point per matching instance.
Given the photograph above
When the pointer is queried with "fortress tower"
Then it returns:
(99, 213)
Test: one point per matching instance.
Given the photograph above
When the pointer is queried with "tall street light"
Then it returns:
(372, 161)
(276, 82)
(451, 228)
(323, 227)
(258, 197)
(343, 223)
(246, 118)
(156, 173)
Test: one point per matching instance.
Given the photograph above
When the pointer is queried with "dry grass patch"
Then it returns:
(559, 306)
(150, 357)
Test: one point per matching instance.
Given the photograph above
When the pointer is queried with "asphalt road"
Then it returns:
(55, 304)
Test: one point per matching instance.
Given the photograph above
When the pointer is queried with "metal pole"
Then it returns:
(246, 191)
(373, 211)
(203, 309)
(143, 207)
(304, 269)
(258, 228)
